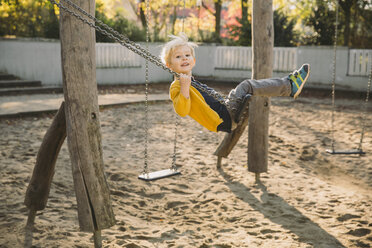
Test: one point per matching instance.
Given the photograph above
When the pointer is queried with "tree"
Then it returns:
(362, 30)
(142, 8)
(217, 15)
(161, 13)
(51, 25)
(346, 6)
(321, 20)
(27, 18)
(312, 21)
(283, 30)
(242, 31)
(118, 23)
(354, 27)
(356, 16)
(284, 26)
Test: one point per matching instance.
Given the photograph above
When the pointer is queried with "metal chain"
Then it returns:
(334, 78)
(334, 86)
(145, 168)
(174, 160)
(365, 108)
(124, 41)
(123, 37)
(151, 58)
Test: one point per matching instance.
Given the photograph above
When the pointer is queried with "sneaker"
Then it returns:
(298, 79)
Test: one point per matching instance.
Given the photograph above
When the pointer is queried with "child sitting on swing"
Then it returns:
(199, 103)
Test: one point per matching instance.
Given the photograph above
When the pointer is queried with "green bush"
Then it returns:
(28, 19)
(38, 19)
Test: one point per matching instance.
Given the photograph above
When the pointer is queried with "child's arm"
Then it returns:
(185, 82)
(181, 103)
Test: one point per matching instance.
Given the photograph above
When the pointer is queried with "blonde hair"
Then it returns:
(180, 40)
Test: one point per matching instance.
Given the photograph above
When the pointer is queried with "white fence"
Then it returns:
(360, 61)
(240, 58)
(111, 55)
(285, 59)
(41, 60)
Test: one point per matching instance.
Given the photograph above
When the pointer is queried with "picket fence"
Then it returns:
(109, 55)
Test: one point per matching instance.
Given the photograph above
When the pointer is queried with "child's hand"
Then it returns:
(185, 82)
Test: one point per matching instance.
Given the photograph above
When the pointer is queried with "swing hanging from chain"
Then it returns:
(149, 176)
(146, 175)
(136, 48)
(359, 150)
(104, 29)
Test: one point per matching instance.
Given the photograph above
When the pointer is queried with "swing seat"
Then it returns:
(352, 151)
(158, 174)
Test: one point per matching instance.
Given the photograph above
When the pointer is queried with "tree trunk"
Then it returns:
(230, 139)
(353, 32)
(346, 7)
(174, 19)
(262, 45)
(142, 14)
(217, 14)
(244, 6)
(82, 121)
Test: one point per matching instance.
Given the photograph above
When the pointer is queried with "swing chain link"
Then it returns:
(334, 89)
(174, 159)
(136, 48)
(126, 39)
(365, 108)
(334, 78)
(145, 168)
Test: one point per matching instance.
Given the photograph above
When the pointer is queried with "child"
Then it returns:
(197, 102)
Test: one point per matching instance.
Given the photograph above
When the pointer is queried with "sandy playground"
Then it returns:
(308, 198)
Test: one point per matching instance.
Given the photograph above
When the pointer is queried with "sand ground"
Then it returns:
(308, 198)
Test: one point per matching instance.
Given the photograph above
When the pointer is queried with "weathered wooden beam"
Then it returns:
(230, 139)
(262, 45)
(97, 239)
(82, 120)
(39, 186)
(258, 113)
(258, 135)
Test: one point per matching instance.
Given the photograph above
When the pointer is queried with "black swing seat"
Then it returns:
(352, 151)
(158, 174)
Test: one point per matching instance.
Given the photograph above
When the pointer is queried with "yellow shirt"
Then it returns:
(194, 106)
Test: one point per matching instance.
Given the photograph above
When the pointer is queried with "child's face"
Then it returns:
(182, 60)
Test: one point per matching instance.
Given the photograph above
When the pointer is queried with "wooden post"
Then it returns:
(38, 189)
(82, 121)
(230, 140)
(262, 45)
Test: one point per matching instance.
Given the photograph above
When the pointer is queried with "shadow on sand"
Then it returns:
(278, 211)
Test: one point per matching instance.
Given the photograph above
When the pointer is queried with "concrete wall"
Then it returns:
(32, 60)
(135, 75)
(41, 60)
(320, 59)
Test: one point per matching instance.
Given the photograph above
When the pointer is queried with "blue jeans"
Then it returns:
(263, 87)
